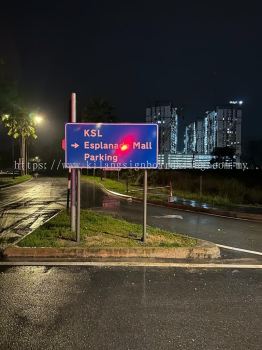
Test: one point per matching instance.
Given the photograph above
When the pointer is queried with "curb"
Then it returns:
(214, 212)
(205, 250)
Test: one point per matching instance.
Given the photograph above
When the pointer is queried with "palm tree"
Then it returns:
(98, 110)
(20, 124)
(16, 119)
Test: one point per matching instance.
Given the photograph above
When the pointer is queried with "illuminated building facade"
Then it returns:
(184, 161)
(219, 128)
(190, 139)
(229, 119)
(200, 135)
(165, 115)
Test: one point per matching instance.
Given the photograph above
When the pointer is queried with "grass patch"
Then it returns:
(160, 196)
(226, 188)
(110, 184)
(100, 230)
(9, 181)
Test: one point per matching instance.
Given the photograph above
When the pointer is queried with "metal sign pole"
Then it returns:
(78, 205)
(68, 189)
(145, 206)
(73, 171)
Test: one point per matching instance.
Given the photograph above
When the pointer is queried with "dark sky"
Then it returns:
(197, 53)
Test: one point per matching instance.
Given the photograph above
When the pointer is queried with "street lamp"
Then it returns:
(38, 119)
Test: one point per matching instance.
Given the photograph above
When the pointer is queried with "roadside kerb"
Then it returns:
(202, 250)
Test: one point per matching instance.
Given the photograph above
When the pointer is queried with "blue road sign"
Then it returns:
(111, 145)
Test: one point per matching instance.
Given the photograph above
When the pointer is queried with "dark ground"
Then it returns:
(130, 308)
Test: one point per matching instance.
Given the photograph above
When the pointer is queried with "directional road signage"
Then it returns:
(111, 145)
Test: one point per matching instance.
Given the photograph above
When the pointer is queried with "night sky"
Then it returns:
(196, 53)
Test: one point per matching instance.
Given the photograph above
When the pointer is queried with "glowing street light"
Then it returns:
(38, 119)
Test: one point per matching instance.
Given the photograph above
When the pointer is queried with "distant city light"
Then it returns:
(236, 102)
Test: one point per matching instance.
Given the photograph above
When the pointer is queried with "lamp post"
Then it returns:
(37, 120)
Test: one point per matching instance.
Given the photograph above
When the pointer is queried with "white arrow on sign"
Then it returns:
(75, 145)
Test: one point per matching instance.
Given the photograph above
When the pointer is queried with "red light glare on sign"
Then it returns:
(124, 147)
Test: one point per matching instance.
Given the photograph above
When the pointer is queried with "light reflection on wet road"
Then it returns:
(26, 206)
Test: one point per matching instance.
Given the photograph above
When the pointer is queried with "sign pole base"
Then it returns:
(145, 207)
(78, 205)
(73, 200)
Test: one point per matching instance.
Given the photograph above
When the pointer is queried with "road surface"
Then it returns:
(126, 308)
(221, 230)
(129, 308)
(26, 206)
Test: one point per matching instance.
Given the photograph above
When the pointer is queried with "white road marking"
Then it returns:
(131, 264)
(239, 249)
(168, 217)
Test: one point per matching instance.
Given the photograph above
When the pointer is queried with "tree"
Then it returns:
(98, 110)
(20, 124)
(16, 119)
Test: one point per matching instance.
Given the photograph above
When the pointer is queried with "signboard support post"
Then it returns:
(78, 205)
(145, 206)
(73, 171)
(68, 189)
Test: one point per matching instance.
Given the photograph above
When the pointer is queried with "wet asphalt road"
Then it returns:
(230, 232)
(26, 206)
(130, 308)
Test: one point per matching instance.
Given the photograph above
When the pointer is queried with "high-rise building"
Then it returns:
(190, 139)
(220, 128)
(200, 134)
(210, 132)
(229, 119)
(165, 115)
